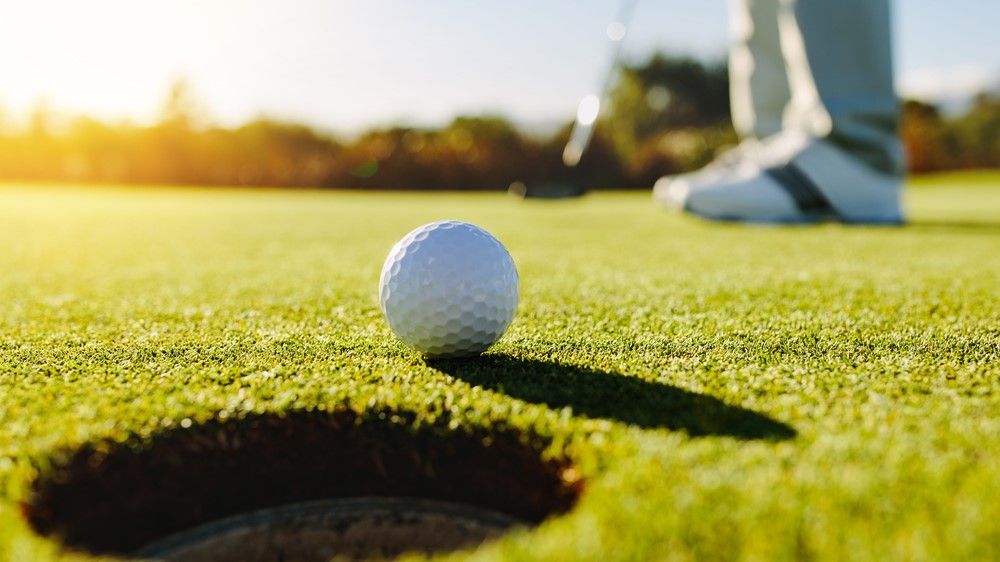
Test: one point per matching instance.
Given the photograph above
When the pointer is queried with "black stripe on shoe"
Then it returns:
(808, 198)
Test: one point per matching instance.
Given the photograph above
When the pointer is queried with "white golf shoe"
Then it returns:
(787, 178)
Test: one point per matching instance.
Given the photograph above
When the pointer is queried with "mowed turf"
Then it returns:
(723, 392)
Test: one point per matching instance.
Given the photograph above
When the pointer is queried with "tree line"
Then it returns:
(665, 115)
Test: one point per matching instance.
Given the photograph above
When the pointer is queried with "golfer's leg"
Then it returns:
(839, 60)
(837, 155)
(759, 93)
(758, 81)
(734, 187)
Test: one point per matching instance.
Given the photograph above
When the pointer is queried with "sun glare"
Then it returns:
(586, 112)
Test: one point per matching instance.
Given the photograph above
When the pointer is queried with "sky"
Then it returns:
(344, 65)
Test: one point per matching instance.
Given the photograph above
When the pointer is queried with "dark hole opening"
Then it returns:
(113, 498)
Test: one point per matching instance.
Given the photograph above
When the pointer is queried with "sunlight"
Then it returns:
(586, 112)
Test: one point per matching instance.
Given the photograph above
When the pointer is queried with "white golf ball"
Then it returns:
(449, 289)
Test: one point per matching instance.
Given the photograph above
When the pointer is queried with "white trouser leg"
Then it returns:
(838, 55)
(759, 90)
(816, 77)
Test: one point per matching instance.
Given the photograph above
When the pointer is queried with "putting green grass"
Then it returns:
(717, 392)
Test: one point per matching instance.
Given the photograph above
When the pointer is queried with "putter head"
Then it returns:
(548, 190)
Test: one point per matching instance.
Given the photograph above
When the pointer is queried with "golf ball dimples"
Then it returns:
(449, 289)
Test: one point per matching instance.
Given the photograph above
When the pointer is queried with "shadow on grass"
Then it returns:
(601, 394)
(955, 225)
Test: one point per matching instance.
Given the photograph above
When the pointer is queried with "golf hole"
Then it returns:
(297, 486)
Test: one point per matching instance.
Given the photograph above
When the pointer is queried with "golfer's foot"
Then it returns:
(788, 178)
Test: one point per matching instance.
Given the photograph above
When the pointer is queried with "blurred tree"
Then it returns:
(668, 115)
(934, 142)
(600, 167)
(469, 153)
(175, 153)
(268, 152)
(977, 133)
(677, 151)
(922, 134)
(180, 108)
(41, 119)
(666, 93)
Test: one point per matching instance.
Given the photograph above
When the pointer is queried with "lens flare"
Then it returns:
(616, 31)
(586, 112)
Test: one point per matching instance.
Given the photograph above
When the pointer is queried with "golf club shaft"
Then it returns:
(590, 105)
